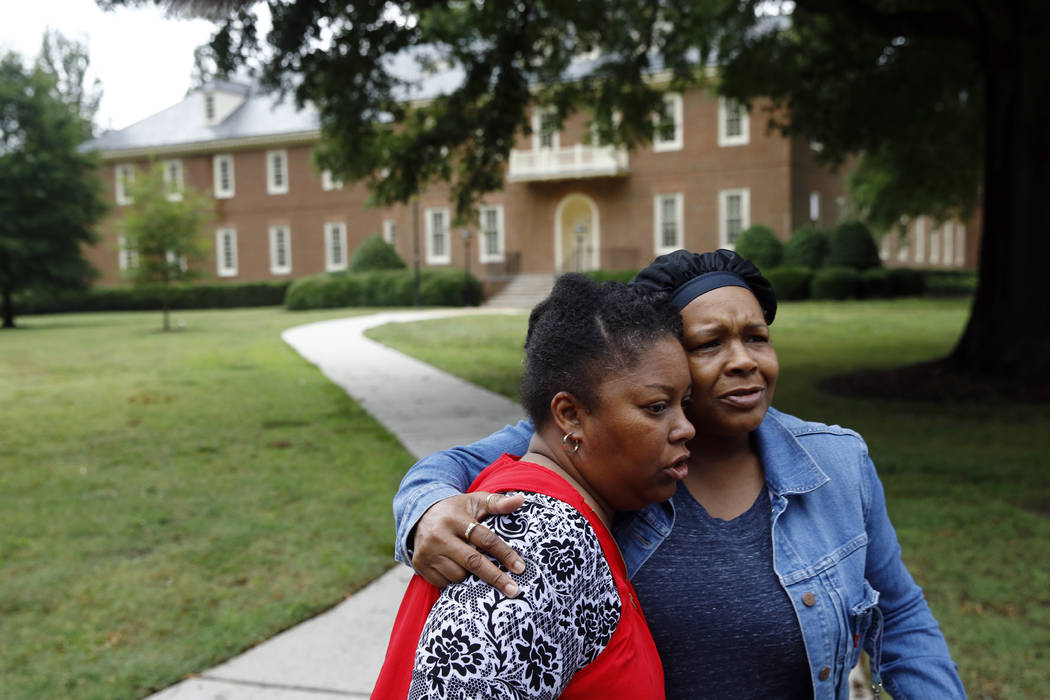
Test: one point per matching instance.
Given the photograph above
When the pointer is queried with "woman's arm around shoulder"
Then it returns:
(431, 512)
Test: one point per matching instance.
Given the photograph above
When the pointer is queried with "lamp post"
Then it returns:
(465, 234)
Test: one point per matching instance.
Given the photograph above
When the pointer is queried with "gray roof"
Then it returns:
(183, 125)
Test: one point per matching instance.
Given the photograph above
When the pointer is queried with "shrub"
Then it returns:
(807, 247)
(791, 283)
(383, 288)
(835, 283)
(193, 296)
(875, 283)
(375, 254)
(850, 244)
(950, 282)
(761, 246)
(614, 275)
(905, 282)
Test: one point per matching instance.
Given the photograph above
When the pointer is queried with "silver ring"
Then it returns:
(470, 529)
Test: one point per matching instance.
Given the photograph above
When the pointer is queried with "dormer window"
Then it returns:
(209, 107)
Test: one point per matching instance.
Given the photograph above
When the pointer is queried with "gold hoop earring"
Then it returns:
(575, 443)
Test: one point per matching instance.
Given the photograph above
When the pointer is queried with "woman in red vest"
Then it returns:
(605, 383)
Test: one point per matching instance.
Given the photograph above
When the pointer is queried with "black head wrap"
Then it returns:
(687, 275)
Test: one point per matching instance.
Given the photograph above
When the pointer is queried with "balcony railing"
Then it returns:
(567, 163)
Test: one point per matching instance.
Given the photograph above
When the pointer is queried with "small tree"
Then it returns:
(163, 226)
(806, 247)
(850, 244)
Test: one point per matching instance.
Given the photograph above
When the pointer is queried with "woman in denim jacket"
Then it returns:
(774, 565)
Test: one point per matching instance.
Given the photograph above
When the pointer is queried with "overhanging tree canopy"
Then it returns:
(946, 99)
(50, 194)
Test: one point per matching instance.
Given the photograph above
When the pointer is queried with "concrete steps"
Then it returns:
(523, 292)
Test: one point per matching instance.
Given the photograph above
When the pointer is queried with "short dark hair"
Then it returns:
(582, 331)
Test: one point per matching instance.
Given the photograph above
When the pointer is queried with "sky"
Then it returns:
(142, 58)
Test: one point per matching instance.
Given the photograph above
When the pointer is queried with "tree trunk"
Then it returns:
(1008, 334)
(9, 308)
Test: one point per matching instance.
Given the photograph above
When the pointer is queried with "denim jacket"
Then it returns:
(834, 550)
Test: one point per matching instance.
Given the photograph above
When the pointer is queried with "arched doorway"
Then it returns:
(577, 234)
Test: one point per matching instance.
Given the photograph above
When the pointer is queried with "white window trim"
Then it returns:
(741, 139)
(723, 210)
(390, 231)
(216, 167)
(221, 269)
(537, 125)
(498, 256)
(658, 222)
(174, 195)
(127, 257)
(428, 218)
(271, 186)
(124, 175)
(673, 101)
(329, 183)
(331, 265)
(275, 268)
(814, 206)
(920, 239)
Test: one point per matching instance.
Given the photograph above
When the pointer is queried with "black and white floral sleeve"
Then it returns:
(477, 643)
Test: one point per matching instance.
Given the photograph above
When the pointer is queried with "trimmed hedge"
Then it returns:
(875, 283)
(807, 247)
(850, 244)
(375, 254)
(951, 282)
(383, 288)
(906, 282)
(761, 246)
(791, 283)
(190, 296)
(613, 275)
(835, 283)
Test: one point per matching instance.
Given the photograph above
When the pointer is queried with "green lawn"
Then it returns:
(168, 500)
(966, 482)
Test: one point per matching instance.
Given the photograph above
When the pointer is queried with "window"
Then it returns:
(948, 235)
(668, 133)
(843, 210)
(334, 246)
(960, 244)
(814, 206)
(390, 231)
(181, 260)
(280, 250)
(329, 183)
(667, 223)
(209, 107)
(222, 171)
(437, 236)
(173, 182)
(544, 130)
(903, 244)
(734, 215)
(732, 123)
(127, 257)
(226, 252)
(490, 233)
(920, 239)
(277, 172)
(125, 177)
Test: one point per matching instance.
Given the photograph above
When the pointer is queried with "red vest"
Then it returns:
(627, 669)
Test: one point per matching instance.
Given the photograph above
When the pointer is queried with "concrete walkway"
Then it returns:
(338, 653)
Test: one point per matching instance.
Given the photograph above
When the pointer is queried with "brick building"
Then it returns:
(710, 173)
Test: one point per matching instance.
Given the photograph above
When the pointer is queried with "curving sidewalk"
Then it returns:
(338, 653)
